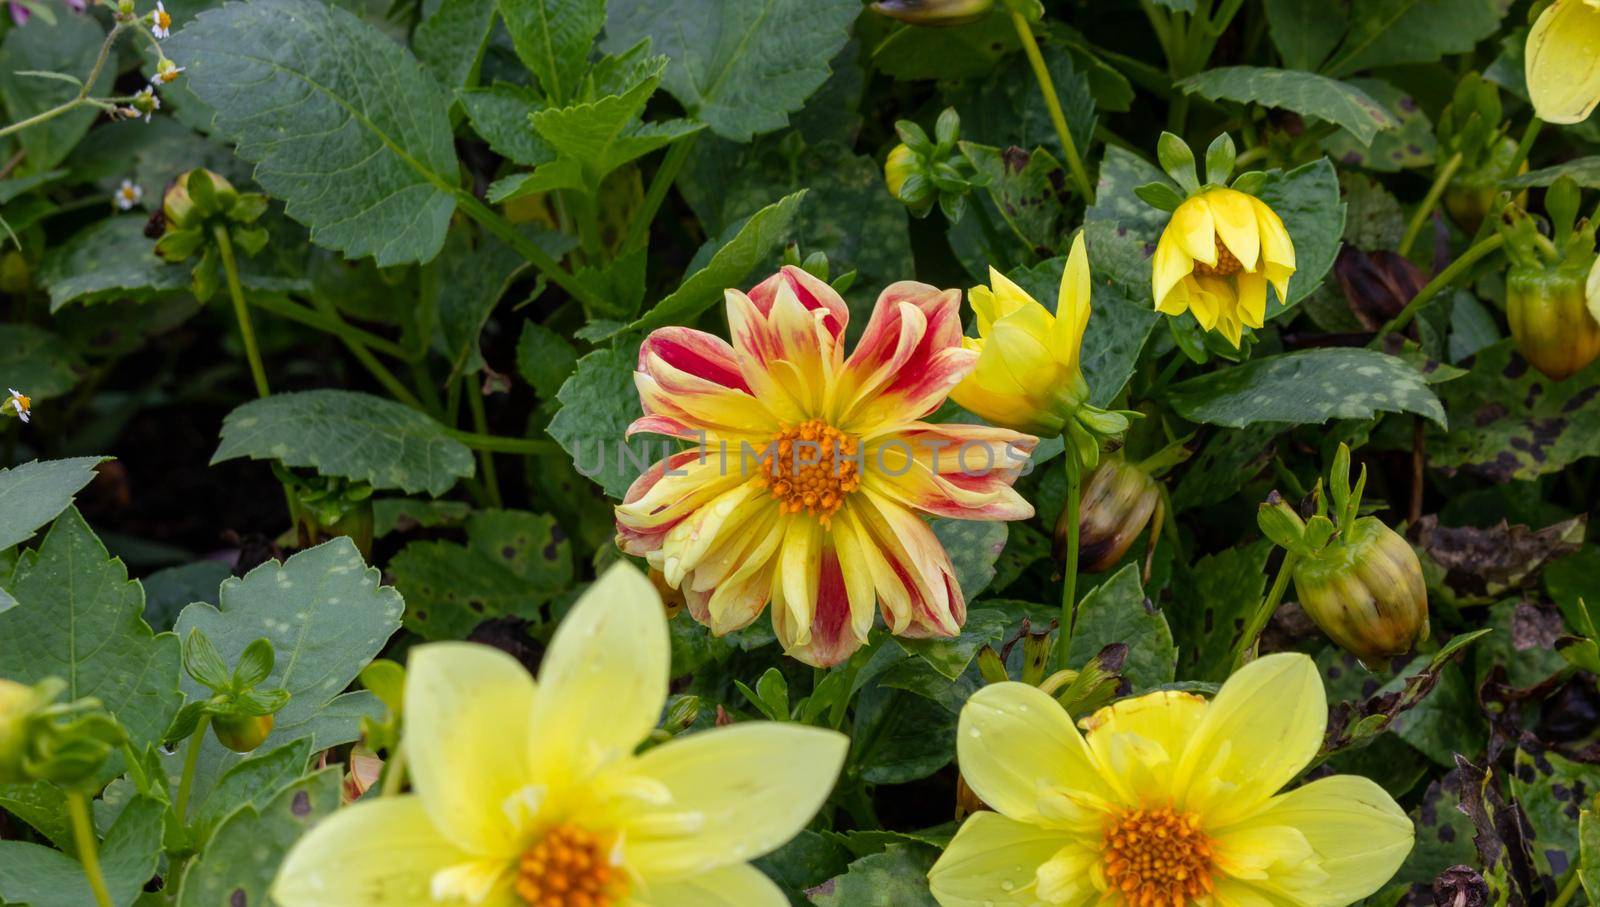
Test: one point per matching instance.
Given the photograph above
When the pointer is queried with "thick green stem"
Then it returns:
(241, 310)
(191, 758)
(1053, 104)
(1525, 147)
(499, 444)
(1429, 202)
(1258, 621)
(1568, 889)
(331, 324)
(88, 852)
(660, 184)
(1069, 571)
(480, 424)
(1445, 278)
(394, 772)
(530, 250)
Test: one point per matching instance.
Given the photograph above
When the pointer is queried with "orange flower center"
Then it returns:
(811, 467)
(1227, 265)
(569, 867)
(163, 18)
(1157, 858)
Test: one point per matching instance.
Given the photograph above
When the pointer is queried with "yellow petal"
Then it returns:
(1359, 834)
(1277, 247)
(1072, 305)
(1252, 299)
(750, 787)
(379, 853)
(1014, 744)
(1008, 297)
(468, 710)
(610, 657)
(1195, 230)
(983, 307)
(1140, 740)
(1264, 725)
(1170, 266)
(739, 885)
(1563, 62)
(1235, 220)
(994, 862)
(1593, 291)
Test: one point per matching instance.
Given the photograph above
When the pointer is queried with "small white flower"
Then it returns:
(146, 102)
(128, 194)
(18, 402)
(166, 73)
(160, 21)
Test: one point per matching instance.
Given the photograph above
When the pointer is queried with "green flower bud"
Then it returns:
(196, 195)
(934, 13)
(42, 740)
(1470, 196)
(1550, 319)
(242, 733)
(1118, 501)
(17, 704)
(1365, 591)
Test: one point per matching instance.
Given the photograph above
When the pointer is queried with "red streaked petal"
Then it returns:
(923, 577)
(696, 352)
(656, 501)
(812, 292)
(828, 638)
(787, 357)
(952, 470)
(906, 355)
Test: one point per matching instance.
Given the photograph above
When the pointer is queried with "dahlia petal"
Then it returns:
(994, 861)
(1252, 299)
(924, 578)
(1170, 266)
(1562, 67)
(1235, 220)
(1140, 739)
(786, 354)
(1016, 744)
(1072, 305)
(826, 637)
(698, 353)
(811, 291)
(1277, 247)
(735, 885)
(909, 358)
(666, 494)
(1194, 230)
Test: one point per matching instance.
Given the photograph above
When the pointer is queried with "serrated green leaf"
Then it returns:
(1305, 33)
(450, 41)
(1392, 32)
(344, 125)
(111, 260)
(80, 618)
(1585, 171)
(737, 256)
(1410, 145)
(1304, 93)
(40, 877)
(973, 546)
(350, 435)
(324, 612)
(242, 858)
(739, 66)
(1007, 109)
(545, 359)
(1220, 591)
(1117, 611)
(553, 39)
(251, 782)
(598, 403)
(565, 173)
(68, 45)
(900, 736)
(898, 877)
(471, 280)
(500, 114)
(36, 492)
(1307, 198)
(1306, 387)
(950, 657)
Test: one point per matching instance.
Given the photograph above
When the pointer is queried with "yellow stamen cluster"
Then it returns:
(568, 867)
(1157, 858)
(1227, 264)
(811, 467)
(163, 19)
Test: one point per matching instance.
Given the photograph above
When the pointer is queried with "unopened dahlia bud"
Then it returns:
(17, 702)
(242, 733)
(1118, 502)
(1548, 285)
(901, 163)
(934, 13)
(1365, 591)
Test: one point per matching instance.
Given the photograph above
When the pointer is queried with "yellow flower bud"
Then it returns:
(1561, 63)
(1118, 502)
(1029, 376)
(1551, 321)
(242, 733)
(17, 702)
(1366, 591)
(900, 164)
(934, 13)
(1216, 257)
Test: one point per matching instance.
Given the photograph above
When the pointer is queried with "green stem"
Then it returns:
(1429, 202)
(530, 250)
(1258, 621)
(241, 310)
(83, 88)
(1250, 156)
(480, 424)
(1568, 889)
(1436, 285)
(660, 184)
(331, 324)
(1053, 104)
(191, 758)
(1525, 147)
(394, 772)
(377, 369)
(88, 854)
(1069, 571)
(499, 444)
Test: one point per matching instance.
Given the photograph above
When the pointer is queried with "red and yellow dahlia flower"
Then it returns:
(813, 470)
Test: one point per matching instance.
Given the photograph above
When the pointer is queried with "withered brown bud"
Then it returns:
(1118, 501)
(1376, 285)
(1460, 886)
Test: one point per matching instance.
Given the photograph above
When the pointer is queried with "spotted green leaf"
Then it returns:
(1306, 387)
(242, 858)
(1305, 93)
(34, 493)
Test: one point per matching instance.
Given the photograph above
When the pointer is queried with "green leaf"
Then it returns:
(598, 403)
(553, 38)
(1305, 33)
(1585, 171)
(740, 66)
(545, 359)
(1589, 853)
(500, 114)
(1117, 611)
(36, 492)
(1304, 93)
(1514, 423)
(950, 657)
(450, 41)
(1306, 387)
(350, 435)
(80, 618)
(242, 859)
(513, 563)
(1029, 191)
(1007, 109)
(1552, 791)
(751, 243)
(898, 877)
(324, 612)
(1410, 145)
(1307, 198)
(1221, 592)
(68, 45)
(251, 782)
(344, 125)
(41, 877)
(471, 280)
(1392, 32)
(899, 736)
(564, 173)
(111, 260)
(973, 546)
(35, 361)
(43, 806)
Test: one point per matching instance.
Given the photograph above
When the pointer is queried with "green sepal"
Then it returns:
(1159, 195)
(250, 240)
(1250, 182)
(255, 663)
(1178, 161)
(203, 663)
(248, 207)
(176, 245)
(1219, 159)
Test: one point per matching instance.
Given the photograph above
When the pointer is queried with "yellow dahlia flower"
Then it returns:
(532, 796)
(1563, 61)
(1029, 376)
(1216, 257)
(1165, 800)
(814, 471)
